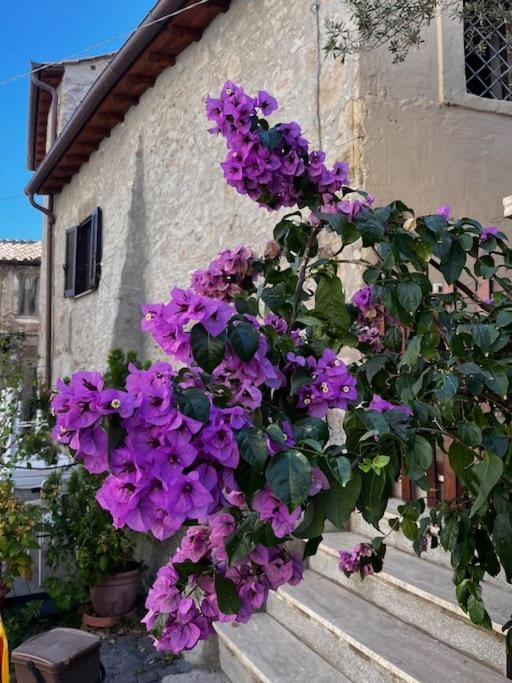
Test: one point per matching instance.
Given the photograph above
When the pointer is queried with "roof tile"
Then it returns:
(22, 251)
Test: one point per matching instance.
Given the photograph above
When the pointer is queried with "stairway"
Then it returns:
(400, 625)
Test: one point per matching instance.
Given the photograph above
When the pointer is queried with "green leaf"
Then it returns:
(418, 457)
(453, 263)
(341, 501)
(242, 541)
(289, 477)
(312, 546)
(227, 595)
(300, 377)
(252, 446)
(476, 609)
(470, 433)
(374, 365)
(341, 468)
(312, 525)
(208, 351)
(271, 138)
(448, 388)
(276, 433)
(245, 340)
(485, 336)
(412, 353)
(311, 428)
(193, 403)
(409, 295)
(488, 473)
(501, 535)
(409, 529)
(461, 459)
(330, 303)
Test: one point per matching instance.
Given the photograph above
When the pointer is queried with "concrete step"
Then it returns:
(263, 651)
(366, 643)
(422, 594)
(397, 540)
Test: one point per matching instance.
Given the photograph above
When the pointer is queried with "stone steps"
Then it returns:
(263, 651)
(397, 540)
(366, 643)
(423, 595)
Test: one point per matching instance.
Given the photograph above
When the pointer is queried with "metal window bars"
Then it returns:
(488, 57)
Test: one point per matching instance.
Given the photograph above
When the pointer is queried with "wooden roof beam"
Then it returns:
(161, 58)
(110, 116)
(139, 79)
(124, 98)
(194, 34)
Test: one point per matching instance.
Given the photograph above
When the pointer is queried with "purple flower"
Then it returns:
(357, 560)
(363, 299)
(490, 231)
(187, 496)
(445, 211)
(273, 510)
(266, 173)
(381, 406)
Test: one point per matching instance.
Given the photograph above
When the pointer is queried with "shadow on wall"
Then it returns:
(127, 334)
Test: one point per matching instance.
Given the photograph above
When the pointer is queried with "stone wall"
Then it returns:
(166, 208)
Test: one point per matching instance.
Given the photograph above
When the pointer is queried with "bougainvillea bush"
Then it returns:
(231, 443)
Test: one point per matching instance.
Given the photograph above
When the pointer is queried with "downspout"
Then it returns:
(50, 223)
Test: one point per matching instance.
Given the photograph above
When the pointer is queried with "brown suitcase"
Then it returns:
(62, 655)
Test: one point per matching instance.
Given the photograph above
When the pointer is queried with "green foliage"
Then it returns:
(19, 524)
(20, 623)
(398, 24)
(82, 543)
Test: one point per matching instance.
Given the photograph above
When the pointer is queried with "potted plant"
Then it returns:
(93, 559)
(18, 528)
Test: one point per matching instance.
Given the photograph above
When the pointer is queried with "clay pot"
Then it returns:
(115, 595)
(92, 620)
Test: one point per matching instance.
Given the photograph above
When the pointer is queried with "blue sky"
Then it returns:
(44, 31)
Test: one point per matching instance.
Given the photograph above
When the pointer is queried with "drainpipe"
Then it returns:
(50, 223)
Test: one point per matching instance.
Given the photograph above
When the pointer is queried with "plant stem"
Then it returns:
(302, 275)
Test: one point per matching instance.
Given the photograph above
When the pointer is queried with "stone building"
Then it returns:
(136, 201)
(20, 263)
(133, 154)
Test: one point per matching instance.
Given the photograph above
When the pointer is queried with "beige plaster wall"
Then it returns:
(166, 208)
(428, 143)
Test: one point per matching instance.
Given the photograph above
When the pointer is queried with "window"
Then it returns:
(488, 57)
(28, 295)
(82, 267)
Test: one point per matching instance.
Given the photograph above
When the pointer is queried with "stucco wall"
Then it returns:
(426, 152)
(166, 208)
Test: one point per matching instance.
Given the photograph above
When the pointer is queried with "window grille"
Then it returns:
(82, 264)
(488, 57)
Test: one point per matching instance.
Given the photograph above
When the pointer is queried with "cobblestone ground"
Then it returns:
(131, 658)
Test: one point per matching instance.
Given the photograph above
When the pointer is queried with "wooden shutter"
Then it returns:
(70, 263)
(95, 249)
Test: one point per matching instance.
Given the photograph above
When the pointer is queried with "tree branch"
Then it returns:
(302, 275)
(464, 288)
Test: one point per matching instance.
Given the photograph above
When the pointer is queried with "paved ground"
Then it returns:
(131, 658)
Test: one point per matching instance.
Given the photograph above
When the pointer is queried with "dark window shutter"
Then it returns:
(95, 249)
(70, 262)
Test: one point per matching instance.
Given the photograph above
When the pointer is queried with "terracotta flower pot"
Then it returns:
(90, 619)
(115, 595)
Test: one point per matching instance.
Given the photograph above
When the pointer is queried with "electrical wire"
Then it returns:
(102, 43)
